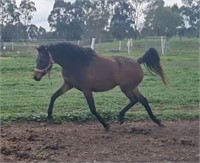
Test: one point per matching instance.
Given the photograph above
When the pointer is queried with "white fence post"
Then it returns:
(120, 45)
(129, 46)
(93, 44)
(163, 44)
(12, 46)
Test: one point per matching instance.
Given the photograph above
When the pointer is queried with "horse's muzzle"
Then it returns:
(36, 79)
(38, 75)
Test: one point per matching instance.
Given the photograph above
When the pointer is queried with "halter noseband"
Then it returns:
(47, 69)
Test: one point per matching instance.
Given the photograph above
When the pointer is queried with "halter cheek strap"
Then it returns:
(45, 70)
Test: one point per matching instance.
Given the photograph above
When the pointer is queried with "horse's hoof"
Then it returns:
(50, 120)
(121, 120)
(107, 127)
(158, 121)
(161, 125)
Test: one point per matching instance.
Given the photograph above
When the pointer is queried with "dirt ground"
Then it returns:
(88, 142)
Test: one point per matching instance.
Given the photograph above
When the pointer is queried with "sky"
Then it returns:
(44, 8)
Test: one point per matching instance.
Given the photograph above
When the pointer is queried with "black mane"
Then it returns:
(71, 52)
(41, 48)
(70, 56)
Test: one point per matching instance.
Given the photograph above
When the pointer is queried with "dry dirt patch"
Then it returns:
(88, 142)
(3, 58)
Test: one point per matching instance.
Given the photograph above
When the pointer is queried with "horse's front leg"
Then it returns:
(90, 100)
(64, 88)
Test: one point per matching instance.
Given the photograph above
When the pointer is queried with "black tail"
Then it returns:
(152, 60)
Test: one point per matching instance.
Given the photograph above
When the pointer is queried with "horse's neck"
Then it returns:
(59, 59)
(69, 63)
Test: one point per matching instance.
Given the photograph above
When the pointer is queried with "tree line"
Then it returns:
(103, 19)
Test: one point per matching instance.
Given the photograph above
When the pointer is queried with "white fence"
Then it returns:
(127, 46)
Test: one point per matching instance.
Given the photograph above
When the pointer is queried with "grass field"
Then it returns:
(22, 98)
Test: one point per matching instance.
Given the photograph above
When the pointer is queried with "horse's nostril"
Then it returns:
(36, 79)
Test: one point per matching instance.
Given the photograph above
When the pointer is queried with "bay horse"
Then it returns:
(85, 70)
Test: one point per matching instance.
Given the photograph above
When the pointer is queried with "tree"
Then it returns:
(13, 32)
(42, 32)
(7, 32)
(9, 18)
(191, 2)
(83, 18)
(33, 31)
(9, 12)
(137, 11)
(36, 33)
(95, 16)
(190, 15)
(161, 21)
(14, 21)
(149, 16)
(26, 8)
(122, 22)
(65, 20)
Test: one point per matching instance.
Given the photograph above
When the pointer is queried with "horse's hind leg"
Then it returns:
(146, 105)
(124, 110)
(133, 100)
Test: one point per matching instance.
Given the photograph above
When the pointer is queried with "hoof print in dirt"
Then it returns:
(140, 131)
(187, 142)
(52, 146)
(32, 137)
(22, 155)
(54, 121)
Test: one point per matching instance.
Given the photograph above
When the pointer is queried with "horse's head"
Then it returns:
(44, 63)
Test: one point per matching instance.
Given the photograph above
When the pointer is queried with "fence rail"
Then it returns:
(163, 45)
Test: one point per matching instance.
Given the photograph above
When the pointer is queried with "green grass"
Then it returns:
(22, 98)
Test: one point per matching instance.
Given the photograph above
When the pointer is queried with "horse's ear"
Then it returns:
(37, 48)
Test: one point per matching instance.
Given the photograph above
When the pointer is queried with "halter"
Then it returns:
(47, 69)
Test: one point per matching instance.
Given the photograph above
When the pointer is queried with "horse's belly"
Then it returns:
(99, 83)
(101, 78)
(102, 88)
